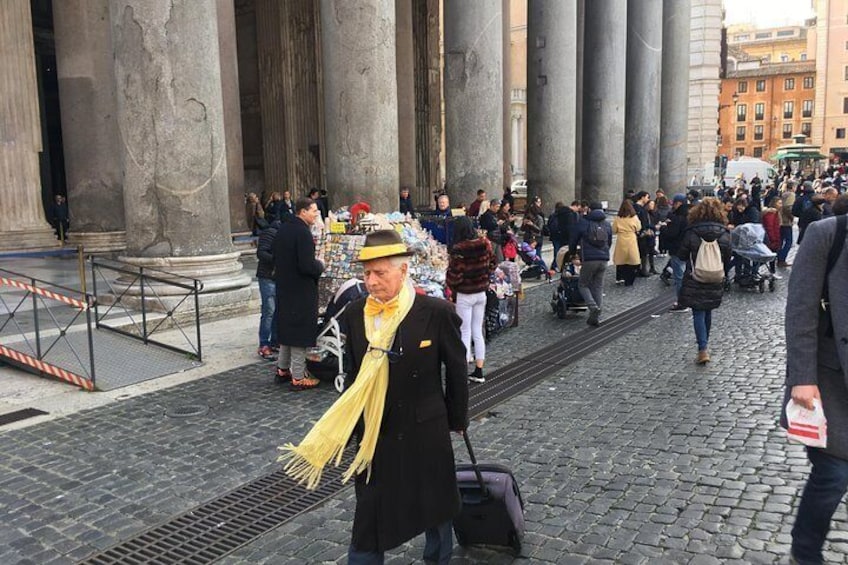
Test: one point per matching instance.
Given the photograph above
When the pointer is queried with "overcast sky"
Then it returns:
(767, 13)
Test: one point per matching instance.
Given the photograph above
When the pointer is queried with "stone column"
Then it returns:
(474, 104)
(578, 110)
(642, 115)
(232, 114)
(170, 115)
(22, 221)
(361, 101)
(674, 125)
(89, 124)
(406, 93)
(604, 64)
(551, 98)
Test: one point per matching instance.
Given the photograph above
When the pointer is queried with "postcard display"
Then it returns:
(338, 245)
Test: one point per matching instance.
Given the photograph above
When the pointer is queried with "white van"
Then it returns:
(749, 166)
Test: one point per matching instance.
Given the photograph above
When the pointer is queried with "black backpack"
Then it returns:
(597, 235)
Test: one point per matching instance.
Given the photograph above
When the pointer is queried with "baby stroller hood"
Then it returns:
(748, 240)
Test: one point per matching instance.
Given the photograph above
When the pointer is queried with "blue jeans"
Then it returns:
(702, 320)
(438, 548)
(825, 488)
(268, 317)
(785, 243)
(678, 267)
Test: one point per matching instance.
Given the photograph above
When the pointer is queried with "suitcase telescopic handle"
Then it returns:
(474, 466)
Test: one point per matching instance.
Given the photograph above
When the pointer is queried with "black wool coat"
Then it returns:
(296, 273)
(694, 294)
(413, 478)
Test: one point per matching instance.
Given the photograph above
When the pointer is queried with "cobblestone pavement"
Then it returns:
(633, 455)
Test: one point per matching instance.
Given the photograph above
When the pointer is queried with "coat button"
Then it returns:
(414, 374)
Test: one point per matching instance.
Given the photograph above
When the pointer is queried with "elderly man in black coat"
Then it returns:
(412, 486)
(296, 271)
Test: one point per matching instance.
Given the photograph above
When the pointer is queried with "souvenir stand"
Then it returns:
(341, 241)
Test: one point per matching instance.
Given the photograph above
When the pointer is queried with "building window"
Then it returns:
(759, 111)
(758, 151)
(742, 86)
(758, 133)
(809, 82)
(762, 35)
(806, 128)
(845, 105)
(740, 152)
(789, 84)
(740, 133)
(784, 58)
(846, 72)
(807, 109)
(785, 33)
(840, 133)
(787, 131)
(741, 112)
(788, 109)
(846, 45)
(761, 86)
(767, 59)
(742, 37)
(803, 56)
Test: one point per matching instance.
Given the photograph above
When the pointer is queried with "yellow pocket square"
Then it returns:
(425, 343)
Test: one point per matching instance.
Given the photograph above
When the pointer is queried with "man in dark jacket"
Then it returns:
(817, 371)
(296, 271)
(645, 235)
(811, 214)
(672, 236)
(494, 230)
(267, 291)
(406, 205)
(315, 195)
(411, 487)
(594, 236)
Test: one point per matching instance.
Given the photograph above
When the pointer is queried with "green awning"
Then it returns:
(779, 156)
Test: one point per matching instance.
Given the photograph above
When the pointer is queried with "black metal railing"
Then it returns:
(132, 291)
(40, 337)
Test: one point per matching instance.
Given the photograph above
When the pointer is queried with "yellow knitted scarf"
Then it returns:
(327, 439)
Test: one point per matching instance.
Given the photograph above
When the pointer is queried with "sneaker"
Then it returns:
(267, 353)
(282, 375)
(619, 282)
(703, 357)
(677, 308)
(594, 318)
(306, 382)
(665, 277)
(476, 379)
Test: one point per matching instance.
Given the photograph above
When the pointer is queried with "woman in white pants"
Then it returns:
(471, 265)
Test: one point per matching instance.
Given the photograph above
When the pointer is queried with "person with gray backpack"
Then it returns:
(705, 248)
(594, 236)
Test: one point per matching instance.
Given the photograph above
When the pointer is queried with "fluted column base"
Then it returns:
(32, 239)
(216, 272)
(99, 242)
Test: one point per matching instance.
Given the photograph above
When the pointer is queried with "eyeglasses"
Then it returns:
(394, 356)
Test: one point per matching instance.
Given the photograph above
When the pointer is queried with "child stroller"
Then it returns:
(327, 359)
(750, 258)
(567, 297)
(534, 266)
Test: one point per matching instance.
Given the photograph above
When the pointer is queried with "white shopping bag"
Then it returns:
(806, 426)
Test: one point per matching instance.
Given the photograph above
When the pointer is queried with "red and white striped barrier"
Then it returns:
(46, 293)
(47, 368)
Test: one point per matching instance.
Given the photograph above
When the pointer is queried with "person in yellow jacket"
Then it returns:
(626, 225)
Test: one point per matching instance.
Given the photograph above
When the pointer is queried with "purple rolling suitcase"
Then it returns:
(492, 509)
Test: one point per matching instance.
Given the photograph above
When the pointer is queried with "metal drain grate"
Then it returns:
(221, 526)
(19, 415)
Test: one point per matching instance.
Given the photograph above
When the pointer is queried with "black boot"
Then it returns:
(477, 376)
